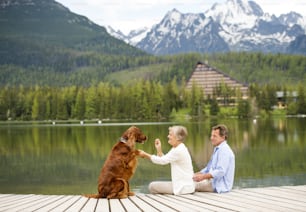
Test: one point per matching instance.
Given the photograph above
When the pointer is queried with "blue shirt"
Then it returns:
(222, 167)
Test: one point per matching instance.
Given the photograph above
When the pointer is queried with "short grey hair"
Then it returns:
(180, 132)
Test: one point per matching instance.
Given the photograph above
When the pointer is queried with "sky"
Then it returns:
(127, 15)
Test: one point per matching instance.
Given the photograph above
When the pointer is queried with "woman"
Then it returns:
(180, 162)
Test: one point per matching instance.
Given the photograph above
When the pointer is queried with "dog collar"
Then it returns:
(123, 140)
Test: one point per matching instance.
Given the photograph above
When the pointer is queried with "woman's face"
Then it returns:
(172, 139)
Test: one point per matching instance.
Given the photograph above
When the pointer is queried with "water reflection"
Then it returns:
(66, 158)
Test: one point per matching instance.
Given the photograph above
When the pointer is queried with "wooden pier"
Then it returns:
(284, 198)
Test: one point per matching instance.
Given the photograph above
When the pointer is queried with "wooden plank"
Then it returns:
(142, 204)
(78, 205)
(284, 194)
(129, 205)
(300, 188)
(297, 199)
(31, 206)
(15, 200)
(102, 205)
(170, 203)
(287, 198)
(32, 199)
(159, 206)
(55, 204)
(272, 199)
(263, 203)
(182, 202)
(207, 198)
(42, 203)
(291, 190)
(194, 200)
(116, 206)
(66, 204)
(90, 205)
(11, 198)
(249, 205)
(3, 196)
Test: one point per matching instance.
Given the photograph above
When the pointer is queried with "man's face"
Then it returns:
(215, 138)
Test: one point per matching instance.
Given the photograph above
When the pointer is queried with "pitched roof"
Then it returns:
(208, 78)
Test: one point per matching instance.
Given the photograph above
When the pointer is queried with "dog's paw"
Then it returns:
(131, 193)
(137, 152)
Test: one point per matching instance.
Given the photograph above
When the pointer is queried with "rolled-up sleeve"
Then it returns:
(222, 168)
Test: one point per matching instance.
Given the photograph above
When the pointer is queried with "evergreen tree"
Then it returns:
(196, 100)
(244, 108)
(301, 101)
(171, 98)
(91, 109)
(103, 99)
(61, 106)
(35, 107)
(38, 106)
(214, 107)
(79, 109)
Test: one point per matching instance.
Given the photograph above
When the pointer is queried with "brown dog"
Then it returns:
(120, 166)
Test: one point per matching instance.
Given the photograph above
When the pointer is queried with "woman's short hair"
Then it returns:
(179, 132)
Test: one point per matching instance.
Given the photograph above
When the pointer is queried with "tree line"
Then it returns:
(69, 68)
(141, 100)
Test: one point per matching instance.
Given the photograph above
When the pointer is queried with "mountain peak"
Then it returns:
(178, 33)
(236, 12)
(235, 25)
(293, 18)
(245, 7)
(173, 16)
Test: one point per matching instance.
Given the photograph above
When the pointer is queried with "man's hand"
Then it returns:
(197, 177)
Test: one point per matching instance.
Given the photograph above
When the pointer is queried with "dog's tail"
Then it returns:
(96, 196)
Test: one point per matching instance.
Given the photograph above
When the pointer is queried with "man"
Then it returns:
(218, 175)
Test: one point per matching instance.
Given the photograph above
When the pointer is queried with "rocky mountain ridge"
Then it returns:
(236, 25)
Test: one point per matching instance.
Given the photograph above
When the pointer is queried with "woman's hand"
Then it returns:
(143, 154)
(158, 147)
(157, 143)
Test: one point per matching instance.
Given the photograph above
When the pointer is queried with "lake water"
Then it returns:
(66, 158)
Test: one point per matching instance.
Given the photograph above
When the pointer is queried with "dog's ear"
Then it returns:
(133, 132)
(127, 133)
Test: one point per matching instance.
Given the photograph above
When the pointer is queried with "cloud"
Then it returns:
(277, 8)
(132, 14)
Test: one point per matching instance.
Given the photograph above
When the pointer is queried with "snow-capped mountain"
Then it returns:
(298, 46)
(132, 38)
(236, 25)
(179, 32)
(247, 28)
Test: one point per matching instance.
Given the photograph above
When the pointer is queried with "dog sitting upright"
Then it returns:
(120, 166)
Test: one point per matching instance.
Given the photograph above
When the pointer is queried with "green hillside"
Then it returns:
(48, 22)
(43, 34)
(43, 43)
